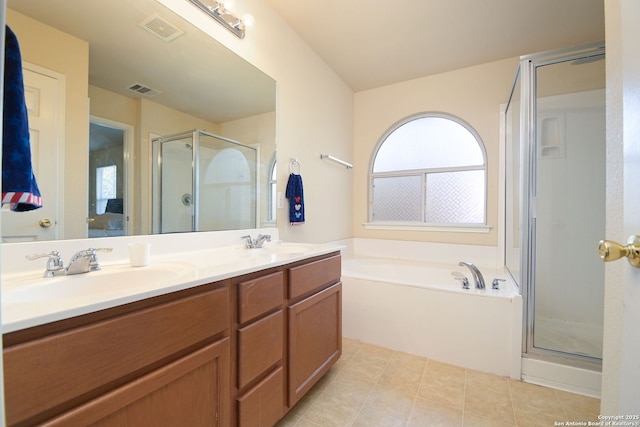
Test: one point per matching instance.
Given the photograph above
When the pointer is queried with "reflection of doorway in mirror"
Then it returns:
(109, 181)
(45, 106)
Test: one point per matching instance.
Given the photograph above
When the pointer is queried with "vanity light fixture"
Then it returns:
(221, 12)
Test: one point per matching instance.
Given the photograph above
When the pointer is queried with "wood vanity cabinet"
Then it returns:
(239, 352)
(289, 332)
(315, 323)
(161, 361)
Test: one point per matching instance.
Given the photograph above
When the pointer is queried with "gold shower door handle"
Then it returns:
(611, 251)
(44, 223)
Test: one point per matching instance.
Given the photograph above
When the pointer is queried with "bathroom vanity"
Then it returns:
(238, 350)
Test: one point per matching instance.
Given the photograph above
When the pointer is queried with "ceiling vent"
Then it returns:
(144, 90)
(161, 28)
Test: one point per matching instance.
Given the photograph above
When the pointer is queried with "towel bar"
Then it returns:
(335, 159)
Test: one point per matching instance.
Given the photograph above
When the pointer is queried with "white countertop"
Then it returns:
(28, 299)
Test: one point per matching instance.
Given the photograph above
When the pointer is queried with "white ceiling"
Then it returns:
(379, 42)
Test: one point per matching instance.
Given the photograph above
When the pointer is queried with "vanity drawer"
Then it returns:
(260, 346)
(259, 296)
(263, 405)
(313, 276)
(47, 375)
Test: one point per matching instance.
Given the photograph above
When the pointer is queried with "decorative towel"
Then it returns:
(19, 186)
(295, 195)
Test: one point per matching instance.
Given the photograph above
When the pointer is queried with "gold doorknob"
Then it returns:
(611, 251)
(45, 223)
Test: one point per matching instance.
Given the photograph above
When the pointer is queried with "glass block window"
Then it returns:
(429, 169)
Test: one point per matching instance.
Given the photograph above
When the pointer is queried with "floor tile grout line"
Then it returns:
(415, 397)
(513, 405)
(370, 391)
(464, 395)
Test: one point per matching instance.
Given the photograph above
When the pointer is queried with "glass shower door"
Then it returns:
(175, 199)
(227, 186)
(568, 207)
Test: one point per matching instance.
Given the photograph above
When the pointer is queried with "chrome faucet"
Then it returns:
(81, 262)
(258, 242)
(475, 272)
(85, 261)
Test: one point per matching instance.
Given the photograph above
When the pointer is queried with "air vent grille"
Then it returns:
(144, 90)
(161, 28)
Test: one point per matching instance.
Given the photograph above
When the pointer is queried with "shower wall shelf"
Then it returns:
(337, 160)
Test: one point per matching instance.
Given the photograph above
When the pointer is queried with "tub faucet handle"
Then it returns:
(495, 284)
(464, 280)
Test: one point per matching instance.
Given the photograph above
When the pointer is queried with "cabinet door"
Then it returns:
(192, 391)
(315, 339)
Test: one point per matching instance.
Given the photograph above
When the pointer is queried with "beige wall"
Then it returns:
(314, 116)
(112, 106)
(472, 94)
(54, 50)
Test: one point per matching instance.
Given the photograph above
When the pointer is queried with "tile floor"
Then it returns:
(373, 386)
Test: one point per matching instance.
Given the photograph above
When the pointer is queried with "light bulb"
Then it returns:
(248, 20)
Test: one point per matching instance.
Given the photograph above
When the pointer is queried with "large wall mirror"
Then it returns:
(108, 84)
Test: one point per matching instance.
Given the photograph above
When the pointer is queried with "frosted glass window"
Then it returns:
(395, 198)
(455, 197)
(429, 169)
(426, 143)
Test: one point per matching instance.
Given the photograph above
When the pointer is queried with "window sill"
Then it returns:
(408, 226)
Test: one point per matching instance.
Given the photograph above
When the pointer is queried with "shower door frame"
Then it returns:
(195, 172)
(528, 166)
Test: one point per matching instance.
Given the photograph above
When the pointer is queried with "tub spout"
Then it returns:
(475, 272)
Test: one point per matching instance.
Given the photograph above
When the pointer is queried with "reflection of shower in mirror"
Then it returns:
(215, 178)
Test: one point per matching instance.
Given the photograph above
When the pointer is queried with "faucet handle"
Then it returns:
(495, 284)
(93, 259)
(248, 241)
(464, 280)
(54, 263)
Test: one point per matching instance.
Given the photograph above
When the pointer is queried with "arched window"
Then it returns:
(429, 169)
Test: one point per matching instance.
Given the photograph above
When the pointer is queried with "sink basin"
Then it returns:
(284, 249)
(109, 280)
(240, 255)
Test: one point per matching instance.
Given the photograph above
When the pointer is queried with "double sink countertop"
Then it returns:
(28, 299)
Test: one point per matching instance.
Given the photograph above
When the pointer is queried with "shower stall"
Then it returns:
(203, 182)
(555, 205)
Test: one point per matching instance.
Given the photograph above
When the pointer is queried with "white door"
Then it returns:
(42, 95)
(620, 366)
